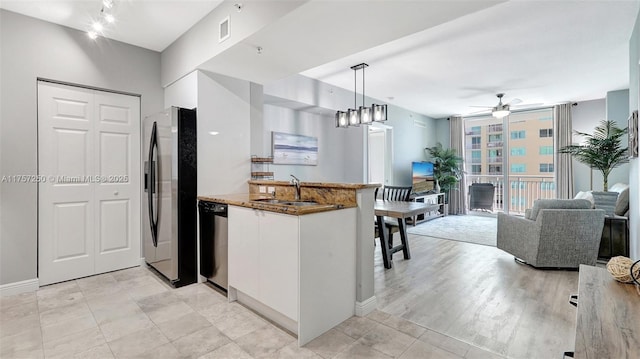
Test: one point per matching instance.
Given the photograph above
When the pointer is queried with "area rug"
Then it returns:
(470, 228)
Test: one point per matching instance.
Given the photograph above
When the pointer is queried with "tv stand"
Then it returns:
(438, 210)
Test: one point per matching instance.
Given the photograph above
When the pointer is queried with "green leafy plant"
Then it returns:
(601, 150)
(446, 167)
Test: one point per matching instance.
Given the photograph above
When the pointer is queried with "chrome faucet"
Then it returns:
(296, 182)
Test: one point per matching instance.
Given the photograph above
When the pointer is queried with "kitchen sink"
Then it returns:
(286, 202)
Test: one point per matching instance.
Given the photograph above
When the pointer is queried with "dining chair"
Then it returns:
(394, 193)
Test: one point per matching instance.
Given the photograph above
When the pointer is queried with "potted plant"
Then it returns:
(446, 168)
(603, 151)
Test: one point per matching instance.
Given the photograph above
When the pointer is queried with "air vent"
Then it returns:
(225, 31)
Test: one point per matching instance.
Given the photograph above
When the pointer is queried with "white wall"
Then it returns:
(183, 93)
(31, 48)
(634, 166)
(224, 106)
(200, 43)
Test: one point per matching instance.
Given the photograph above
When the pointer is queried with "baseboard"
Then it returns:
(366, 307)
(29, 285)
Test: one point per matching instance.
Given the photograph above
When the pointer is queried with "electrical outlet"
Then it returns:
(262, 189)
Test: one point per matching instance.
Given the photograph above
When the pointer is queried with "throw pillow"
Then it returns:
(622, 204)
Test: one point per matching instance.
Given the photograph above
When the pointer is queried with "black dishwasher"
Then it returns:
(213, 243)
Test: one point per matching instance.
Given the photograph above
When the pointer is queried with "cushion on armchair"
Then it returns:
(557, 204)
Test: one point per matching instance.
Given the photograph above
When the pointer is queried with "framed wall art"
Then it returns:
(290, 149)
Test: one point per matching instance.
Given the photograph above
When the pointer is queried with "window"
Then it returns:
(494, 156)
(476, 156)
(495, 138)
(546, 132)
(546, 150)
(546, 167)
(476, 169)
(476, 142)
(548, 186)
(495, 128)
(475, 130)
(495, 169)
(517, 135)
(518, 168)
(545, 118)
(518, 151)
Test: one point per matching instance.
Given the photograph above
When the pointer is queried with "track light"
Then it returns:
(97, 26)
(105, 18)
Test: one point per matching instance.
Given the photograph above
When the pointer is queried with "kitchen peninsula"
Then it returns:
(298, 260)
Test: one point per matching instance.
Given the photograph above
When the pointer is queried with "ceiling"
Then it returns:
(152, 24)
(538, 51)
(462, 55)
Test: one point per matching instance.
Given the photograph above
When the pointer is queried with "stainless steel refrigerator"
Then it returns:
(169, 204)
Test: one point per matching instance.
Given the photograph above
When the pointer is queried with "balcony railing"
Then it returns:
(494, 159)
(523, 190)
(494, 144)
(474, 146)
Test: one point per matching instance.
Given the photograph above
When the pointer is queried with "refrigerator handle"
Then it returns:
(153, 218)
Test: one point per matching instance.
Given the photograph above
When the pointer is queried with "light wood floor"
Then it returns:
(480, 295)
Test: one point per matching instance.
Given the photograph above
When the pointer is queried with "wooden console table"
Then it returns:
(608, 316)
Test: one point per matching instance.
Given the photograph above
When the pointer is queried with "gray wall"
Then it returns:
(339, 159)
(31, 48)
(411, 132)
(618, 111)
(585, 117)
(443, 132)
(634, 165)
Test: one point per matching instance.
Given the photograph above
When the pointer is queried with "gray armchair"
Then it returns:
(556, 233)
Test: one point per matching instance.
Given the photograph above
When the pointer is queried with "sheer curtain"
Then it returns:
(564, 164)
(457, 199)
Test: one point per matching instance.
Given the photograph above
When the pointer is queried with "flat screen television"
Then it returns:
(422, 176)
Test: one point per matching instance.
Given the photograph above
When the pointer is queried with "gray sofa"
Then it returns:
(555, 233)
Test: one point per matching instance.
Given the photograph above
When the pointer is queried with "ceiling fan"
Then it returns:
(501, 109)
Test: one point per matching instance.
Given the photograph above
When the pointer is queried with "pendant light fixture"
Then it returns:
(363, 115)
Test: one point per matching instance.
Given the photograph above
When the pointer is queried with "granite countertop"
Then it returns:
(253, 201)
(318, 184)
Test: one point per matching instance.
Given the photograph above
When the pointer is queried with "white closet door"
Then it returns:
(65, 205)
(89, 205)
(117, 159)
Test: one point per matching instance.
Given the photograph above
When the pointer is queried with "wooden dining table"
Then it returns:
(400, 210)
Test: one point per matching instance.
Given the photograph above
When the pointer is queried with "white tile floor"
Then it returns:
(133, 314)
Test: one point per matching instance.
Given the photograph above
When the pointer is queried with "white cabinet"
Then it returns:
(263, 257)
(244, 253)
(278, 278)
(299, 271)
